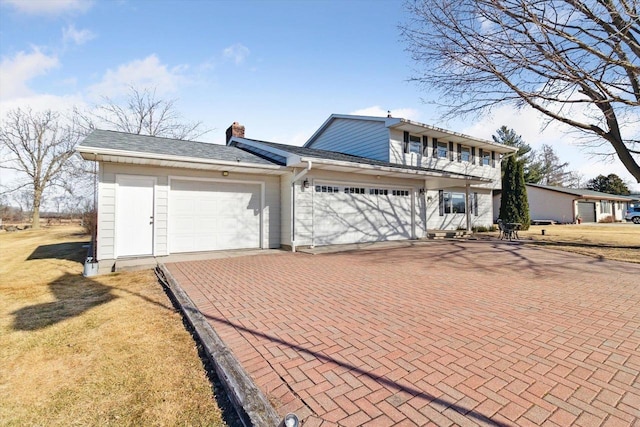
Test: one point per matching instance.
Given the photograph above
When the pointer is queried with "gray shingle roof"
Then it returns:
(582, 192)
(166, 146)
(342, 157)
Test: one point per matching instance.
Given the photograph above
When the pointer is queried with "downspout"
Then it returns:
(293, 204)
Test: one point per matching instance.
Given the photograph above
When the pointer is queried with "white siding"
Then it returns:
(366, 138)
(459, 221)
(106, 203)
(397, 155)
(546, 204)
(106, 214)
(285, 212)
(304, 199)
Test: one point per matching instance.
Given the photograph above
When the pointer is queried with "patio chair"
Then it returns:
(505, 231)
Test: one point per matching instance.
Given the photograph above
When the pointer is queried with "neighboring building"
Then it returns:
(358, 179)
(565, 205)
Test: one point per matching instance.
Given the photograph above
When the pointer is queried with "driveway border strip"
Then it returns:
(249, 401)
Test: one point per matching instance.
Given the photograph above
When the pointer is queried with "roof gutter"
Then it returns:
(434, 174)
(293, 202)
(93, 151)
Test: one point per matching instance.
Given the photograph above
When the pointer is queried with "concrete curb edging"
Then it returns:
(255, 409)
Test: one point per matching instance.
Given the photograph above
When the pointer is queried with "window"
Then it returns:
(443, 150)
(605, 206)
(486, 158)
(403, 193)
(354, 190)
(465, 154)
(327, 189)
(379, 191)
(452, 203)
(415, 144)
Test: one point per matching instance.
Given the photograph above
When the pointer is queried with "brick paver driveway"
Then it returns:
(443, 333)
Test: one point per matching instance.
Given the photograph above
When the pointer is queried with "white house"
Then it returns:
(357, 179)
(565, 205)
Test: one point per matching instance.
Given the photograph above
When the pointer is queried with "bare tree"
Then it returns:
(38, 146)
(577, 62)
(142, 113)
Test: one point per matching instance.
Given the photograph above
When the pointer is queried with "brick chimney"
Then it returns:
(235, 130)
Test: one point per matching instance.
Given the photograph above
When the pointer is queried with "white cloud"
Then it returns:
(48, 7)
(142, 73)
(44, 102)
(78, 37)
(16, 72)
(377, 111)
(237, 52)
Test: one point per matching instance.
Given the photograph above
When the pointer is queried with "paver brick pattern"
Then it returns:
(445, 333)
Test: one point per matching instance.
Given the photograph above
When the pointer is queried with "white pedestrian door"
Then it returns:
(134, 215)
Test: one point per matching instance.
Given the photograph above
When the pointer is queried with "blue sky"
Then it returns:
(278, 67)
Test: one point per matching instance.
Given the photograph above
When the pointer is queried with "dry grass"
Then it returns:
(620, 242)
(109, 350)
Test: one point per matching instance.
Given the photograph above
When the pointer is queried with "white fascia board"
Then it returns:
(88, 153)
(317, 162)
(292, 159)
(476, 141)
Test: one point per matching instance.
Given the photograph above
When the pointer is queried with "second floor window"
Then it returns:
(442, 150)
(465, 154)
(415, 144)
(486, 158)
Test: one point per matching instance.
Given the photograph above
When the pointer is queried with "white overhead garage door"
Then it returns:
(354, 214)
(207, 216)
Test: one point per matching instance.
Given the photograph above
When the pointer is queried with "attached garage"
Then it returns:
(587, 211)
(213, 215)
(356, 214)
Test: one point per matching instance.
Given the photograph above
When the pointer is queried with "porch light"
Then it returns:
(291, 420)
(421, 191)
(225, 173)
(305, 183)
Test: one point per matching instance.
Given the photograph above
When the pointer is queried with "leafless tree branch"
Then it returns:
(576, 62)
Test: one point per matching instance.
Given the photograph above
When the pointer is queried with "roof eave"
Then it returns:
(94, 154)
(316, 161)
(501, 148)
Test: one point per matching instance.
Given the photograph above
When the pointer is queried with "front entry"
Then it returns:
(134, 213)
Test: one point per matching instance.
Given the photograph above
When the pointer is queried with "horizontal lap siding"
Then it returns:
(107, 200)
(426, 160)
(106, 215)
(552, 205)
(365, 138)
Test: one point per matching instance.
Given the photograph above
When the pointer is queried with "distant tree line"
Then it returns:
(39, 146)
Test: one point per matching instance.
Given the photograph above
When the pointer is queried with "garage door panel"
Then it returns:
(354, 218)
(208, 216)
(587, 210)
